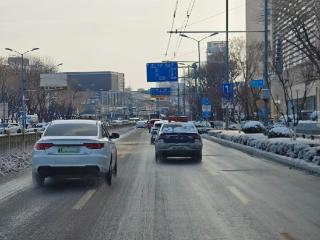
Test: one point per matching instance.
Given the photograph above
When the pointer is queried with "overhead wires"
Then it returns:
(172, 26)
(184, 25)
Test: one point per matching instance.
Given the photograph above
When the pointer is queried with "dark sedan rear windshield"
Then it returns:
(179, 128)
(76, 129)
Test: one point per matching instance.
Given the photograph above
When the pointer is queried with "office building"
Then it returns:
(85, 81)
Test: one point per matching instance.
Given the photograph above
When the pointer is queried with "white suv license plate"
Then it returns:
(68, 150)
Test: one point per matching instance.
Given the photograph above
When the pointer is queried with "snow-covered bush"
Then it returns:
(314, 115)
(280, 131)
(253, 127)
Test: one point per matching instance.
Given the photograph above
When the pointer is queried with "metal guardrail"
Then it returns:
(23, 142)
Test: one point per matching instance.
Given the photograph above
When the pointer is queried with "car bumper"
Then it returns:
(178, 149)
(69, 165)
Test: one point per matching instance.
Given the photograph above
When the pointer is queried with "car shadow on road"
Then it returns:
(53, 185)
(179, 161)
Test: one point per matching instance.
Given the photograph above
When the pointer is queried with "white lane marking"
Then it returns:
(83, 200)
(238, 194)
(211, 168)
(9, 189)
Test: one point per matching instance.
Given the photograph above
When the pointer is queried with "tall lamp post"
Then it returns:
(199, 60)
(23, 84)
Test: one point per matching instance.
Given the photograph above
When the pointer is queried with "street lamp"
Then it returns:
(23, 84)
(199, 59)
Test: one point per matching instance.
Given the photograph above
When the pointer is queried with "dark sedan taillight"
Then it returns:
(197, 137)
(43, 146)
(94, 145)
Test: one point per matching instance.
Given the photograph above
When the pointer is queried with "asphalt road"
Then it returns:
(230, 195)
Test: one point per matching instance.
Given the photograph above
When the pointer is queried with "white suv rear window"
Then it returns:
(179, 128)
(72, 129)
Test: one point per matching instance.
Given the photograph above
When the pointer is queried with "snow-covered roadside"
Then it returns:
(14, 162)
(298, 153)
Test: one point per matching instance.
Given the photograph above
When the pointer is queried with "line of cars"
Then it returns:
(12, 128)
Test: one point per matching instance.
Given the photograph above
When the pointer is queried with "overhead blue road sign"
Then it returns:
(257, 83)
(160, 91)
(205, 101)
(227, 90)
(162, 72)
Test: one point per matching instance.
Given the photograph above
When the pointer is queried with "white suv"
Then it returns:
(74, 148)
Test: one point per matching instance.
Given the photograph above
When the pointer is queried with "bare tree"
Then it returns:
(246, 68)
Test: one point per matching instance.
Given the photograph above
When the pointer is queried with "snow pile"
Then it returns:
(314, 115)
(14, 162)
(253, 127)
(306, 150)
(280, 131)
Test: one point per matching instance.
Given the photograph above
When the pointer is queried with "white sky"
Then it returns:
(115, 35)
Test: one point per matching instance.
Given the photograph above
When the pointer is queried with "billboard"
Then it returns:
(162, 72)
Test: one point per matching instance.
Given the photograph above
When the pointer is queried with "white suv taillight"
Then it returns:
(43, 146)
(94, 145)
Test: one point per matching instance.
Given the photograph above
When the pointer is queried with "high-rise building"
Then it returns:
(283, 33)
(282, 14)
(255, 24)
(288, 17)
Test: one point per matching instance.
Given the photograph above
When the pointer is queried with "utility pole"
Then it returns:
(24, 110)
(266, 51)
(226, 111)
(227, 41)
(184, 92)
(178, 97)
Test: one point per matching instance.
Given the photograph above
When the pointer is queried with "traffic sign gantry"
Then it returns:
(162, 72)
(160, 91)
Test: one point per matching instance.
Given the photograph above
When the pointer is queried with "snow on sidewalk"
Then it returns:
(300, 149)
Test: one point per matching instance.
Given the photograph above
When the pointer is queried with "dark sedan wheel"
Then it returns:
(159, 157)
(198, 157)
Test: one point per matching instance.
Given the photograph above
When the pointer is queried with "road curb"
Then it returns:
(292, 162)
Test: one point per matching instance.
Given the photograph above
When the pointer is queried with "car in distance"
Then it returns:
(140, 124)
(179, 139)
(74, 148)
(151, 123)
(10, 128)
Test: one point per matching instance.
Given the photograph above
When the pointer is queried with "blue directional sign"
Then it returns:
(257, 83)
(162, 72)
(206, 108)
(227, 90)
(205, 101)
(160, 91)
